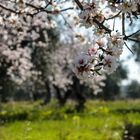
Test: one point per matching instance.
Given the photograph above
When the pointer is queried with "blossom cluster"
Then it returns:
(18, 63)
(91, 11)
(25, 24)
(61, 71)
(20, 34)
(125, 6)
(102, 56)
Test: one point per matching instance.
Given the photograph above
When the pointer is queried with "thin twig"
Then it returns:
(123, 24)
(66, 22)
(133, 34)
(49, 3)
(128, 48)
(8, 9)
(114, 16)
(39, 9)
(134, 39)
(47, 11)
(113, 24)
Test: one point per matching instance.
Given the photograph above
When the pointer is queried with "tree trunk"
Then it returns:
(48, 94)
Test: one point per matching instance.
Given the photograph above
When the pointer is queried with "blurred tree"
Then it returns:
(31, 43)
(136, 49)
(133, 90)
(111, 90)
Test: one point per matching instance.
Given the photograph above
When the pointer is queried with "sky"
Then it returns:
(133, 67)
(127, 56)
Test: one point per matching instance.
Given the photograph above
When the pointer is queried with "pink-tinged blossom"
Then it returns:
(137, 1)
(92, 51)
(29, 29)
(13, 19)
(95, 83)
(101, 42)
(110, 64)
(82, 60)
(115, 39)
(82, 65)
(90, 12)
(86, 20)
(127, 7)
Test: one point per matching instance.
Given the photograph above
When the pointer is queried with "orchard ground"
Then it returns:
(99, 120)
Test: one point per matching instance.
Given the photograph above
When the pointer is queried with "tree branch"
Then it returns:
(128, 48)
(133, 39)
(133, 34)
(123, 24)
(8, 9)
(114, 16)
(79, 4)
(101, 25)
(94, 19)
(39, 9)
(47, 11)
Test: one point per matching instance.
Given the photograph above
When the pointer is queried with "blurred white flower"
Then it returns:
(13, 19)
(110, 64)
(127, 6)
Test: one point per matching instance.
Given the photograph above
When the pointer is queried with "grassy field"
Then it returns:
(99, 121)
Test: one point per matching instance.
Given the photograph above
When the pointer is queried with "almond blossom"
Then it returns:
(110, 64)
(127, 7)
(28, 25)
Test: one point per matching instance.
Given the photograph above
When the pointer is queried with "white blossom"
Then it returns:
(110, 64)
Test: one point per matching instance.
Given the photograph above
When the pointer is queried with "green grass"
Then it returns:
(99, 121)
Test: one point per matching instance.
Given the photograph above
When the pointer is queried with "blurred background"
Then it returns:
(42, 99)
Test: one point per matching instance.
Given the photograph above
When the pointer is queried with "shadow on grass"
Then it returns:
(131, 132)
(125, 111)
(13, 117)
